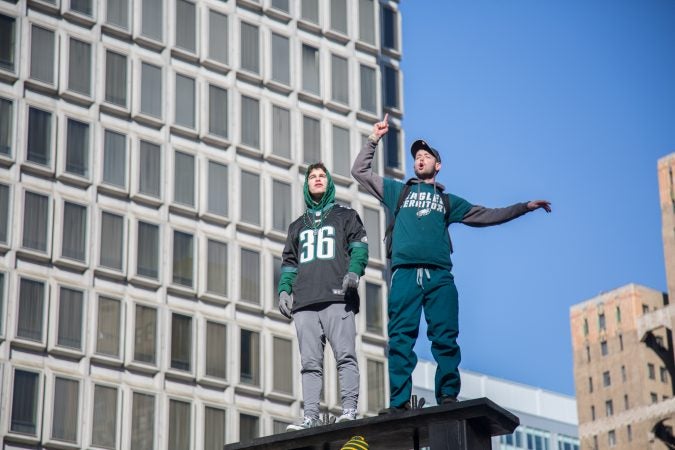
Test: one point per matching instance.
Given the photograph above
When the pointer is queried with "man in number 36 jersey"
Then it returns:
(325, 255)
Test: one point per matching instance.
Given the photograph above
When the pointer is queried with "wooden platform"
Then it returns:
(460, 426)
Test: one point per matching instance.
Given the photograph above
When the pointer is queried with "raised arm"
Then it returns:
(362, 170)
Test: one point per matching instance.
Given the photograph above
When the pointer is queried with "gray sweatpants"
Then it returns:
(335, 322)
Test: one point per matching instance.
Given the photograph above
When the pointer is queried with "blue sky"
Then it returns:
(571, 101)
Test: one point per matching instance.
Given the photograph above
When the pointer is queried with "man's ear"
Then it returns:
(438, 167)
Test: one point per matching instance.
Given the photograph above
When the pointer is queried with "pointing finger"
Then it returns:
(386, 118)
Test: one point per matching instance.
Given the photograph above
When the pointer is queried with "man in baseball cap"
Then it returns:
(421, 144)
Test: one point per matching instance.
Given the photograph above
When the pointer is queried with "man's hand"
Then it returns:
(350, 281)
(285, 304)
(380, 128)
(536, 204)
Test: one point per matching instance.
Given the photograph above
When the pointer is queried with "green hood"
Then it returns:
(328, 196)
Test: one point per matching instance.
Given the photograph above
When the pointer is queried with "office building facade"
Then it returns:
(152, 154)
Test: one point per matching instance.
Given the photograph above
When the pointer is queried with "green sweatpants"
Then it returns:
(434, 290)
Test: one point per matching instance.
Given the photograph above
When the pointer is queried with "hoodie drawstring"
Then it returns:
(421, 271)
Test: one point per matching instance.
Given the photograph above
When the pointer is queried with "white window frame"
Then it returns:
(203, 98)
(129, 340)
(385, 376)
(59, 229)
(194, 434)
(322, 73)
(18, 40)
(269, 61)
(378, 88)
(261, 49)
(80, 16)
(399, 88)
(53, 346)
(383, 311)
(269, 374)
(4, 297)
(128, 421)
(133, 222)
(269, 200)
(175, 126)
(245, 146)
(8, 160)
(39, 406)
(203, 187)
(135, 166)
(269, 133)
(261, 361)
(46, 255)
(91, 388)
(339, 34)
(374, 46)
(61, 171)
(197, 30)
(130, 18)
(202, 419)
(194, 321)
(94, 329)
(195, 179)
(11, 218)
(261, 214)
(97, 221)
(49, 410)
(206, 38)
(34, 166)
(100, 143)
(378, 242)
(137, 17)
(137, 112)
(261, 274)
(202, 276)
(38, 345)
(50, 87)
(65, 90)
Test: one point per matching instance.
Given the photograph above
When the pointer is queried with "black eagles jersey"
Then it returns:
(319, 251)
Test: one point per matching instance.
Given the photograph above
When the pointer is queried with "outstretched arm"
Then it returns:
(362, 170)
(480, 216)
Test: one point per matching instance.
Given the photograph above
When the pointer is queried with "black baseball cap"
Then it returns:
(421, 144)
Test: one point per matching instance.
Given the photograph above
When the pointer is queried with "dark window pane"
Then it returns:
(281, 64)
(31, 310)
(35, 221)
(114, 159)
(152, 19)
(151, 90)
(311, 134)
(185, 25)
(108, 329)
(77, 148)
(81, 6)
(250, 122)
(310, 70)
(218, 191)
(79, 67)
(118, 13)
(250, 357)
(185, 101)
(150, 169)
(64, 416)
(42, 55)
(250, 276)
(4, 217)
(281, 132)
(216, 272)
(218, 33)
(250, 48)
(116, 79)
(389, 28)
(148, 250)
(182, 258)
(218, 111)
(250, 198)
(142, 422)
(25, 402)
(216, 350)
(181, 342)
(103, 432)
(145, 334)
(71, 303)
(7, 42)
(112, 240)
(184, 179)
(74, 232)
(39, 136)
(6, 127)
(367, 21)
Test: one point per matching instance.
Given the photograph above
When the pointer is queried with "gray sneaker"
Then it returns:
(347, 415)
(307, 422)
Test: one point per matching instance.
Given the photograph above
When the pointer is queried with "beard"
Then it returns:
(425, 174)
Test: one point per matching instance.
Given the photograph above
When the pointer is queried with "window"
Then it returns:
(585, 328)
(2, 303)
(103, 433)
(590, 384)
(142, 421)
(279, 426)
(374, 308)
(654, 398)
(310, 10)
(341, 154)
(112, 247)
(35, 221)
(39, 148)
(216, 350)
(218, 41)
(184, 179)
(603, 348)
(42, 55)
(339, 79)
(218, 111)
(283, 365)
(651, 371)
(216, 270)
(606, 380)
(609, 408)
(611, 438)
(375, 385)
(250, 198)
(147, 250)
(250, 48)
(368, 89)
(181, 342)
(150, 161)
(185, 26)
(249, 427)
(338, 16)
(25, 402)
(625, 402)
(117, 13)
(79, 66)
(116, 78)
(7, 42)
(390, 87)
(592, 412)
(391, 148)
(618, 314)
(65, 413)
(281, 5)
(71, 305)
(6, 128)
(389, 28)
(601, 321)
(214, 428)
(81, 6)
(588, 354)
(31, 309)
(281, 57)
(218, 191)
(311, 139)
(183, 257)
(151, 90)
(145, 334)
(310, 70)
(629, 432)
(151, 19)
(250, 125)
(249, 372)
(281, 205)
(371, 220)
(4, 214)
(179, 425)
(623, 373)
(281, 132)
(114, 159)
(250, 276)
(73, 245)
(663, 372)
(621, 342)
(645, 309)
(109, 321)
(276, 275)
(367, 21)
(185, 101)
